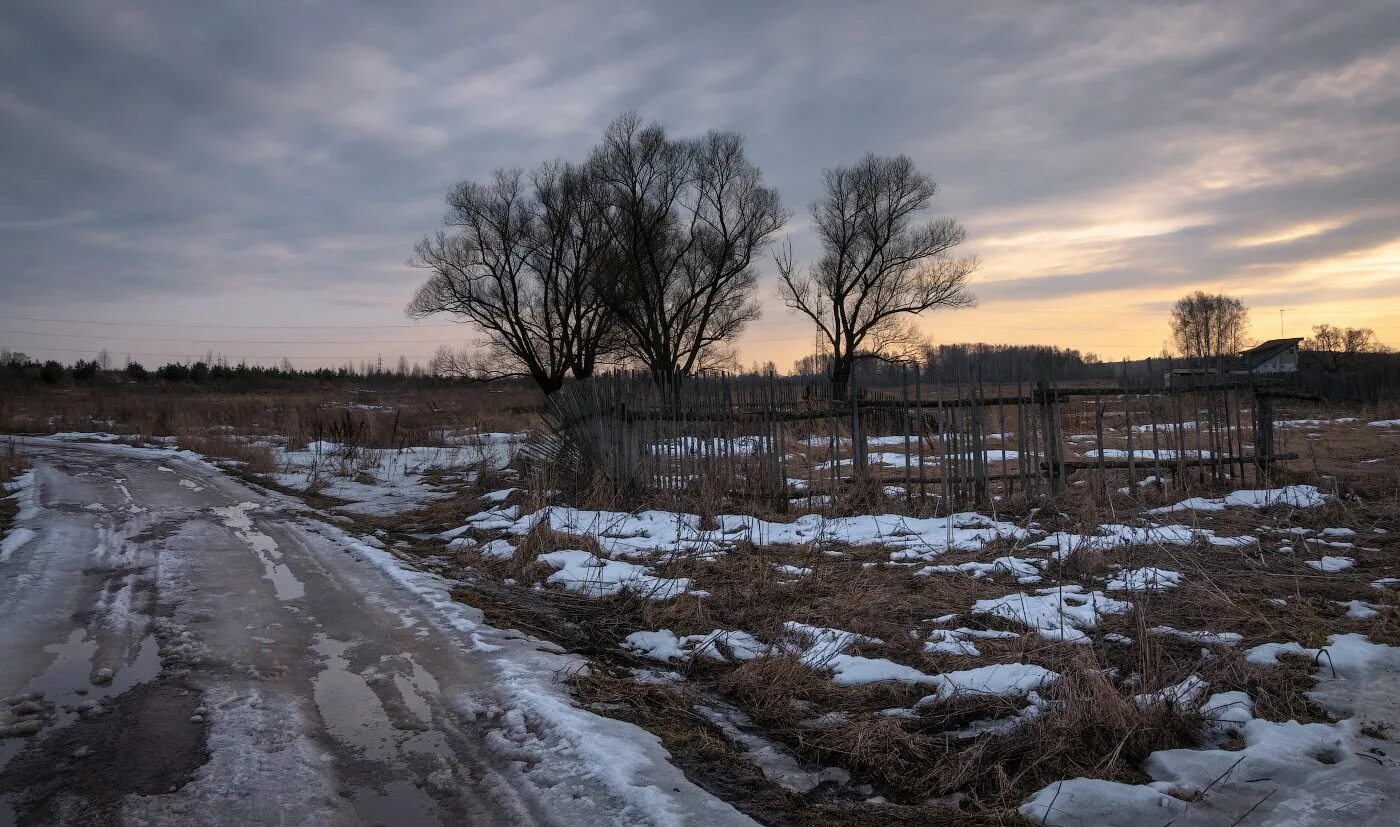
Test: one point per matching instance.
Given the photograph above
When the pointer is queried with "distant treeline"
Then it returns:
(17, 368)
(954, 362)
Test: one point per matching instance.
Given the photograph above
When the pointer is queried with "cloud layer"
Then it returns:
(272, 164)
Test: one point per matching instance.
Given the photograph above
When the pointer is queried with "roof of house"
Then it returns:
(1267, 350)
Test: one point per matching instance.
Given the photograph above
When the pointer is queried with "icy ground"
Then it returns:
(187, 650)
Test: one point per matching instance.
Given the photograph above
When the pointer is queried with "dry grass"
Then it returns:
(1097, 730)
(371, 419)
(12, 464)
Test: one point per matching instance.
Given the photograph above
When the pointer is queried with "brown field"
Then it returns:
(903, 769)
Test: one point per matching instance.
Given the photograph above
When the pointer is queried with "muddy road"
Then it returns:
(178, 648)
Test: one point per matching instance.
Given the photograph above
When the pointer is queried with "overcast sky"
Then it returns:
(251, 177)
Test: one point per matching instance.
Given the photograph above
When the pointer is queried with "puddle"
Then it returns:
(71, 671)
(354, 717)
(396, 802)
(352, 712)
(414, 687)
(236, 519)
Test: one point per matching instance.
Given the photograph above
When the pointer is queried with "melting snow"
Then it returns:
(666, 645)
(1057, 614)
(959, 641)
(629, 535)
(1297, 496)
(1010, 679)
(1332, 564)
(1025, 571)
(582, 572)
(1145, 579)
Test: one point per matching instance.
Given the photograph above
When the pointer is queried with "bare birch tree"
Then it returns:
(686, 219)
(521, 267)
(1206, 326)
(882, 263)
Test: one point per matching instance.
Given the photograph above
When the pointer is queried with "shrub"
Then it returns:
(84, 370)
(51, 372)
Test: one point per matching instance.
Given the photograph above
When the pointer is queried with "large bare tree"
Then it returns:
(882, 263)
(521, 266)
(686, 219)
(1209, 326)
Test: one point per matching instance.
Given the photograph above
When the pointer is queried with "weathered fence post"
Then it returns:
(1264, 434)
(1051, 441)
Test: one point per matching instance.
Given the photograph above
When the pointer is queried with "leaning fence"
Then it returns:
(955, 439)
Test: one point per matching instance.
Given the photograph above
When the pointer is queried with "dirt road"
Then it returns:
(192, 651)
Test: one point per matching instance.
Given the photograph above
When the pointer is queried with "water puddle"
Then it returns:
(355, 717)
(416, 688)
(352, 712)
(67, 681)
(276, 572)
(396, 803)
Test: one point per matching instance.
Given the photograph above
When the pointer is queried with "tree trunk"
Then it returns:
(841, 377)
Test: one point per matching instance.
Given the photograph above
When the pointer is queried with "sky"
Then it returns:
(248, 179)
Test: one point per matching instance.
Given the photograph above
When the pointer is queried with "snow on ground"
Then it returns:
(1179, 695)
(1164, 426)
(742, 446)
(1057, 613)
(85, 436)
(381, 482)
(1313, 423)
(1025, 571)
(897, 459)
(1202, 637)
(1144, 579)
(1360, 609)
(1332, 564)
(1162, 453)
(1008, 679)
(646, 533)
(1385, 423)
(21, 491)
(582, 572)
(814, 646)
(821, 648)
(1286, 773)
(720, 644)
(1113, 536)
(1296, 496)
(959, 641)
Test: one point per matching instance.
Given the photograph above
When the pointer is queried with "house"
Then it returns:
(1273, 356)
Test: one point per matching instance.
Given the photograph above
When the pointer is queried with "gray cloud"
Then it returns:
(148, 148)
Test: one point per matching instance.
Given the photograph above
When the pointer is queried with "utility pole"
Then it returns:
(1280, 322)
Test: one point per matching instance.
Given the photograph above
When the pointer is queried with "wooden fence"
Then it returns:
(957, 439)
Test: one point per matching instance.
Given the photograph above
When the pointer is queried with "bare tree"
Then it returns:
(686, 219)
(1206, 326)
(522, 268)
(1339, 348)
(881, 263)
